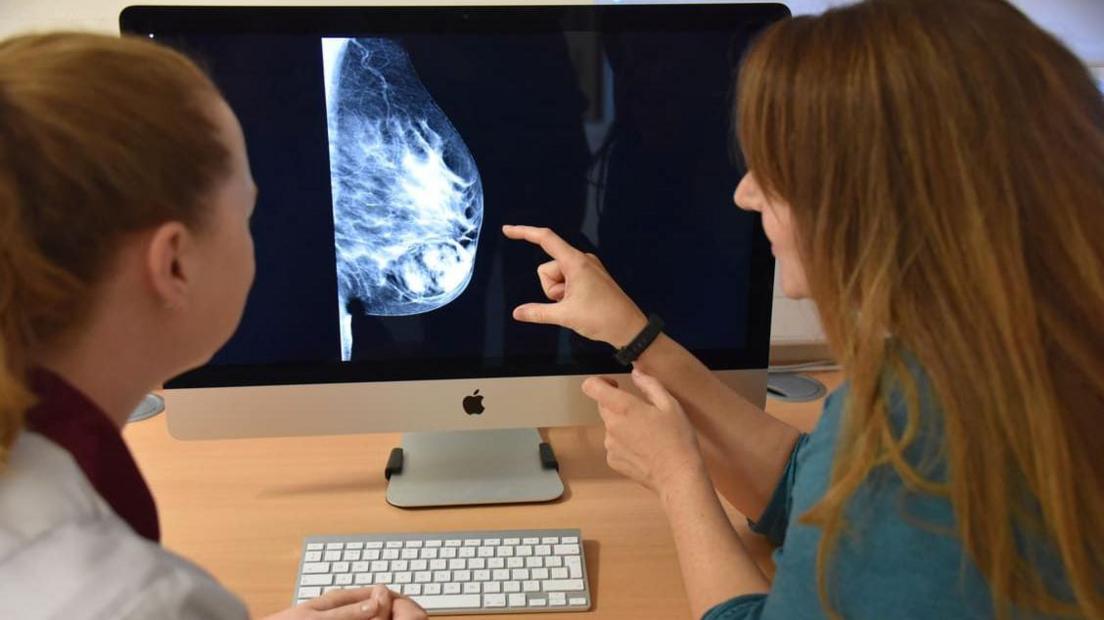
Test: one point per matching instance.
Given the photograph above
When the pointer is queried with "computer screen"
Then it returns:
(390, 144)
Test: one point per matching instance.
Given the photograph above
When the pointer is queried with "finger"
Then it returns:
(547, 314)
(549, 241)
(406, 609)
(615, 399)
(652, 389)
(340, 598)
(556, 292)
(345, 609)
(551, 277)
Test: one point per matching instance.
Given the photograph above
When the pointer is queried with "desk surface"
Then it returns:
(240, 508)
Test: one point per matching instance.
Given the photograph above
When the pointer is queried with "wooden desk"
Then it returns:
(240, 508)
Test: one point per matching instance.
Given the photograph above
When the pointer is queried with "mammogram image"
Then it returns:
(407, 196)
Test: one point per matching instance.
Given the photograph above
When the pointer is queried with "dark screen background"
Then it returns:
(619, 140)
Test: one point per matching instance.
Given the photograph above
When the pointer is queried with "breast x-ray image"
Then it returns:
(407, 195)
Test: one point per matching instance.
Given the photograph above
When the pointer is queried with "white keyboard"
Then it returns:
(500, 571)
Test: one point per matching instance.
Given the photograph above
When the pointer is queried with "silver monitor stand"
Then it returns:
(457, 468)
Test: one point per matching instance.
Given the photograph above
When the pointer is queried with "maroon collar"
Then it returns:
(70, 419)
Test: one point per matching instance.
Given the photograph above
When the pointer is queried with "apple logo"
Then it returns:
(473, 405)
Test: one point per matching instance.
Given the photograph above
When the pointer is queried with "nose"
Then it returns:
(748, 196)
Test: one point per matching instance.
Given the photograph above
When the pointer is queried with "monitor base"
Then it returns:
(459, 468)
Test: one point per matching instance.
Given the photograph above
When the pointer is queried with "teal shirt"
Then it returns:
(900, 559)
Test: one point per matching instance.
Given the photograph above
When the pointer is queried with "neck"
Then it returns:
(107, 363)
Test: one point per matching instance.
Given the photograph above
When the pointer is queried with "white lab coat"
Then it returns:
(65, 554)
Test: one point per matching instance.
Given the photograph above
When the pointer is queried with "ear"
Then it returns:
(168, 261)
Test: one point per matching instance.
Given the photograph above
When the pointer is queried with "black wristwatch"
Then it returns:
(627, 355)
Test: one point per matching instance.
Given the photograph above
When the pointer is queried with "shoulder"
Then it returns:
(65, 554)
(40, 489)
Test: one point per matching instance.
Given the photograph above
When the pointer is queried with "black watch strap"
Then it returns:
(628, 354)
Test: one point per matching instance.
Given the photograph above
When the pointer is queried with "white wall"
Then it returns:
(1079, 23)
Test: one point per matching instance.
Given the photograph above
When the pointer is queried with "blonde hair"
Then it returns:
(944, 163)
(99, 136)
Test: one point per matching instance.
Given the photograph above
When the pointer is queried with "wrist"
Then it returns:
(627, 330)
(688, 478)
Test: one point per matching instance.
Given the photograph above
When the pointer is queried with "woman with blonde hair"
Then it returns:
(931, 174)
(125, 259)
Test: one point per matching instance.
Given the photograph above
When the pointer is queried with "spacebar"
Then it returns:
(448, 601)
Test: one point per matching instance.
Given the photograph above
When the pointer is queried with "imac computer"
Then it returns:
(390, 144)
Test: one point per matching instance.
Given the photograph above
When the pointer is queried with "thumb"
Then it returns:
(651, 388)
(549, 314)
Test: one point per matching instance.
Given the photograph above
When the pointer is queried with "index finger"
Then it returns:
(609, 396)
(549, 241)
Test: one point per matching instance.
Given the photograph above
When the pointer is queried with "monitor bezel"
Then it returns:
(346, 21)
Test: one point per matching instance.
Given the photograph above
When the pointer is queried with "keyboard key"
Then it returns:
(515, 563)
(339, 567)
(433, 543)
(312, 556)
(431, 588)
(494, 600)
(442, 576)
(540, 573)
(511, 586)
(361, 567)
(438, 564)
(471, 542)
(492, 542)
(413, 589)
(576, 601)
(501, 574)
(492, 586)
(429, 554)
(351, 556)
(557, 598)
(445, 601)
(419, 565)
(543, 550)
(315, 567)
(331, 556)
(413, 544)
(486, 552)
(309, 592)
(559, 573)
(452, 588)
(534, 562)
(517, 600)
(524, 550)
(453, 543)
(570, 539)
(511, 541)
(563, 585)
(380, 566)
(574, 566)
(530, 541)
(354, 545)
(363, 579)
(572, 549)
(467, 552)
(385, 578)
(409, 554)
(373, 545)
(423, 576)
(370, 554)
(316, 580)
(496, 562)
(530, 586)
(390, 554)
(481, 575)
(549, 540)
(315, 546)
(538, 602)
(471, 587)
(344, 579)
(461, 575)
(519, 574)
(400, 565)
(334, 546)
(393, 544)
